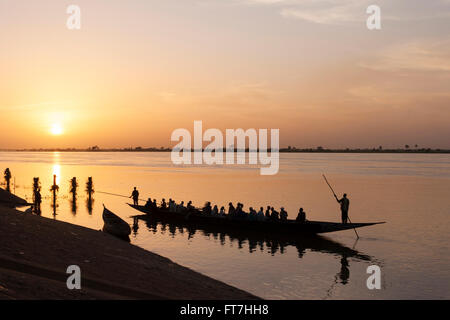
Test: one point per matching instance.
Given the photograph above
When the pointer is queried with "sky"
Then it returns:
(139, 69)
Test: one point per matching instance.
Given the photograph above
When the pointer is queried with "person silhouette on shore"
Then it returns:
(135, 196)
(345, 204)
(8, 179)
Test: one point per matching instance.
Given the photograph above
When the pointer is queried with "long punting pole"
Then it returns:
(117, 195)
(336, 199)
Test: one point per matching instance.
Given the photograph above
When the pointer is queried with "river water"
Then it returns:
(411, 192)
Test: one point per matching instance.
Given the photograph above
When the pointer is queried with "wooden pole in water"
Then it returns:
(54, 189)
(90, 188)
(35, 194)
(54, 194)
(336, 199)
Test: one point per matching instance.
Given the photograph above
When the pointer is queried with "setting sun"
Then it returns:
(56, 129)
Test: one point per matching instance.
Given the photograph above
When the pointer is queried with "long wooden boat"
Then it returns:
(254, 239)
(288, 227)
(115, 225)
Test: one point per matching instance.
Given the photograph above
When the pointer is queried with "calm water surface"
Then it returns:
(410, 192)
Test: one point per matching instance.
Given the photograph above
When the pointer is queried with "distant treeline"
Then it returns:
(282, 150)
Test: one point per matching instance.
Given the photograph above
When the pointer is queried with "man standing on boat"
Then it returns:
(345, 203)
(135, 196)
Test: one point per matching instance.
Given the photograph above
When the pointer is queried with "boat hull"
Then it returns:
(288, 227)
(115, 225)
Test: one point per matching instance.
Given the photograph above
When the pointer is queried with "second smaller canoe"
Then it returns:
(115, 225)
(10, 200)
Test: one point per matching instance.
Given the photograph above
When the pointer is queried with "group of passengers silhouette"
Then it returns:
(237, 213)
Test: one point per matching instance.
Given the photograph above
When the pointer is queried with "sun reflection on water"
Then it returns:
(57, 167)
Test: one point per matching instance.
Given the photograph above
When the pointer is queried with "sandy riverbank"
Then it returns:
(36, 251)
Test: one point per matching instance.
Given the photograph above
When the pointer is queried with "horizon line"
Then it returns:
(288, 149)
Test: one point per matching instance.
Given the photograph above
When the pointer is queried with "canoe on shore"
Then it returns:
(288, 227)
(115, 225)
(10, 200)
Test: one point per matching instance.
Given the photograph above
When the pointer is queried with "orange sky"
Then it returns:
(137, 70)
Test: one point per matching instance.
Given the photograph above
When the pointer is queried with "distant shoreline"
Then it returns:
(284, 150)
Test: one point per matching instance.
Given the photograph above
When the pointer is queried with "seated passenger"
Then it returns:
(180, 207)
(244, 215)
(163, 204)
(252, 214)
(274, 216)
(231, 210)
(215, 211)
(283, 214)
(148, 204)
(301, 217)
(240, 214)
(171, 205)
(268, 213)
(207, 209)
(222, 211)
(260, 214)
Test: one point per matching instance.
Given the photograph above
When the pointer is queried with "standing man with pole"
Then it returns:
(345, 204)
(135, 196)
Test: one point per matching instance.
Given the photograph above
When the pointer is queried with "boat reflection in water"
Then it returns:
(264, 242)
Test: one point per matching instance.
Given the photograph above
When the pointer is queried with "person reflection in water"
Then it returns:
(37, 202)
(90, 205)
(74, 206)
(344, 275)
(135, 225)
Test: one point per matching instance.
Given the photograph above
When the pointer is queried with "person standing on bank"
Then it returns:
(345, 204)
(8, 179)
